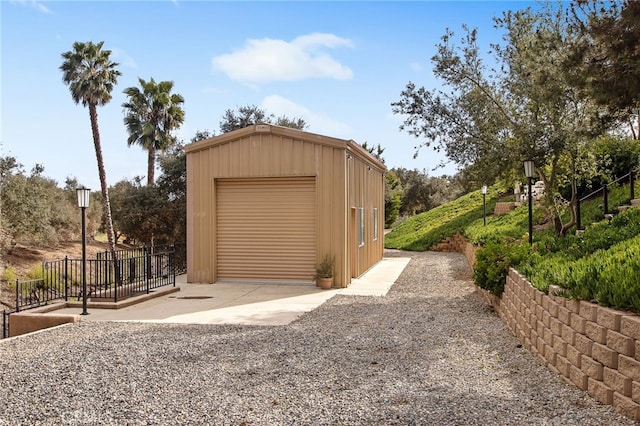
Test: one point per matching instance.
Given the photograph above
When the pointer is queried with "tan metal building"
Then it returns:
(267, 203)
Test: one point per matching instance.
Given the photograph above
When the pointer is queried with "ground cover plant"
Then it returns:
(601, 264)
(422, 231)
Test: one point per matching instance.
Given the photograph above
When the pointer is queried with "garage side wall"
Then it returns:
(366, 192)
(264, 155)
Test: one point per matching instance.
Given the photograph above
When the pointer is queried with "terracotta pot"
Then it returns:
(325, 283)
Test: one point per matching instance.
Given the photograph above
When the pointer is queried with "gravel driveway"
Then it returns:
(429, 353)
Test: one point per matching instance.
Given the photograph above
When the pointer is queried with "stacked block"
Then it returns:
(595, 348)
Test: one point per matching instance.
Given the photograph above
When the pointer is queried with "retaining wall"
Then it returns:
(592, 347)
(504, 207)
(458, 243)
(38, 318)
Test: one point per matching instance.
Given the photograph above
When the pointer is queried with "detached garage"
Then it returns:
(267, 203)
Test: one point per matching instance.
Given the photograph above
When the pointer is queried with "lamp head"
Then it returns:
(529, 168)
(83, 196)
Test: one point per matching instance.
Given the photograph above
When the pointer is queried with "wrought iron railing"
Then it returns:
(5, 324)
(106, 279)
(631, 176)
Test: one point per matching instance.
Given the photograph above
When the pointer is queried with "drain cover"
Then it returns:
(194, 297)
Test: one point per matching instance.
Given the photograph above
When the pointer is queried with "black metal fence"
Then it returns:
(133, 272)
(180, 250)
(631, 177)
(5, 324)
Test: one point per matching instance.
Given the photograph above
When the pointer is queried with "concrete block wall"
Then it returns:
(503, 207)
(459, 244)
(39, 318)
(592, 347)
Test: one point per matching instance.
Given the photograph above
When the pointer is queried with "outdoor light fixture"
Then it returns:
(83, 197)
(484, 204)
(528, 172)
(83, 203)
(528, 168)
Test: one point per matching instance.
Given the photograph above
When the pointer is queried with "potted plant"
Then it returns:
(324, 272)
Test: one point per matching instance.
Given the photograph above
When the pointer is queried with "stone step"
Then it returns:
(635, 202)
(503, 207)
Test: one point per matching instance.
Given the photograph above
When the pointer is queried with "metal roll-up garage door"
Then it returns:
(266, 229)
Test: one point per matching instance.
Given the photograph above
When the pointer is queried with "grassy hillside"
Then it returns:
(422, 231)
(601, 264)
(464, 215)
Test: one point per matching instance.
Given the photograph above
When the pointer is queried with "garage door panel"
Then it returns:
(266, 228)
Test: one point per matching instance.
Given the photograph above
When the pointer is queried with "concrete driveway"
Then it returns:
(245, 303)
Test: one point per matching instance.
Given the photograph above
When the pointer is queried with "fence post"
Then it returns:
(5, 324)
(17, 295)
(172, 264)
(578, 220)
(115, 284)
(606, 199)
(66, 278)
(632, 179)
(147, 253)
(107, 274)
(148, 274)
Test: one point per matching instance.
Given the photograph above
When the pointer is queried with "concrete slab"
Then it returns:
(245, 303)
(378, 280)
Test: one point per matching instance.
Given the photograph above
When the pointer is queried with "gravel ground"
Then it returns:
(429, 353)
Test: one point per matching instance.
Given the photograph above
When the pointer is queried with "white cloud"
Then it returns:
(264, 60)
(318, 122)
(33, 4)
(123, 58)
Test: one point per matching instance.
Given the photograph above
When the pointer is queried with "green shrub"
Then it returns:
(422, 231)
(35, 273)
(9, 274)
(609, 277)
(601, 264)
(498, 227)
(543, 271)
(493, 262)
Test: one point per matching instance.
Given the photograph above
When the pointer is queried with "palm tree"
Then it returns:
(91, 75)
(151, 115)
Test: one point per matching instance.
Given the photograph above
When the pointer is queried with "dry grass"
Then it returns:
(24, 257)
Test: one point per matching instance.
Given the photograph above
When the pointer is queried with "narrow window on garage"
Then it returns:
(375, 224)
(360, 226)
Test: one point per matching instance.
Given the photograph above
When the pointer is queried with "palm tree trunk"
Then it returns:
(106, 206)
(151, 165)
(151, 168)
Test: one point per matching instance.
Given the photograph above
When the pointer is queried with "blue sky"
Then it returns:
(338, 65)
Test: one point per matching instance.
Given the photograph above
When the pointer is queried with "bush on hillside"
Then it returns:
(493, 262)
(422, 231)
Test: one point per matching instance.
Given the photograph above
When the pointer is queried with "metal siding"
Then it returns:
(284, 153)
(266, 228)
(366, 190)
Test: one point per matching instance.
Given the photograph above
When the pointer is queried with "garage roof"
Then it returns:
(349, 145)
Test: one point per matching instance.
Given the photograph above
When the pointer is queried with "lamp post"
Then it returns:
(528, 172)
(484, 204)
(83, 203)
